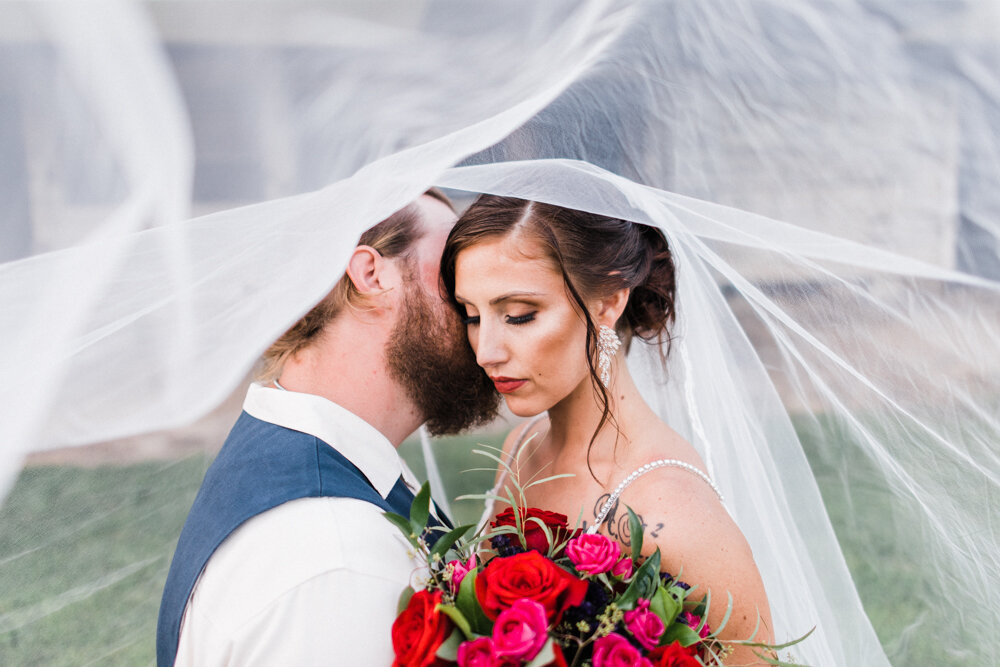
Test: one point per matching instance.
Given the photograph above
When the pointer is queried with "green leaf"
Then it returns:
(773, 647)
(545, 657)
(458, 618)
(548, 479)
(704, 605)
(448, 540)
(777, 662)
(448, 650)
(635, 532)
(404, 599)
(666, 606)
(491, 533)
(681, 633)
(545, 530)
(770, 648)
(477, 496)
(725, 619)
(491, 455)
(404, 525)
(469, 606)
(644, 583)
(420, 510)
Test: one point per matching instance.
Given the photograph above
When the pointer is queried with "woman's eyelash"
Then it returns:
(509, 319)
(520, 319)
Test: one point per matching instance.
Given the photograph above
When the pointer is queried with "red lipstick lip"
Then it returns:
(506, 385)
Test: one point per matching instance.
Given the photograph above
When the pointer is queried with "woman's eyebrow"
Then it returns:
(503, 297)
(512, 295)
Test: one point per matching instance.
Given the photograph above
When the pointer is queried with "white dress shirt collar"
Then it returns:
(357, 440)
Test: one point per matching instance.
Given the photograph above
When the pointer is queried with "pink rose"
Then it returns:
(644, 625)
(459, 570)
(476, 653)
(593, 553)
(520, 631)
(692, 621)
(615, 651)
(623, 568)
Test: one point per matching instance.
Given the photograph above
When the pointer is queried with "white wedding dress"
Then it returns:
(182, 181)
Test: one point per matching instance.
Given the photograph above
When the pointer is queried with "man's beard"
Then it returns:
(429, 354)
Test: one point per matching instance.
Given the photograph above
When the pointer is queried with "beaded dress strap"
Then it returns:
(653, 465)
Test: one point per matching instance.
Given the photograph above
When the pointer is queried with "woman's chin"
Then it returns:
(524, 408)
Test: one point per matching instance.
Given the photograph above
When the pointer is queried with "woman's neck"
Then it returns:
(575, 418)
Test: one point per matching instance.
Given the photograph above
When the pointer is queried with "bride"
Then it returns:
(552, 299)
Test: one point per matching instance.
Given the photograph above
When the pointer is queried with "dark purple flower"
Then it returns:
(504, 546)
(594, 603)
(669, 580)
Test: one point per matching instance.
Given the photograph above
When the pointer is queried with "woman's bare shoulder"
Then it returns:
(699, 540)
(659, 441)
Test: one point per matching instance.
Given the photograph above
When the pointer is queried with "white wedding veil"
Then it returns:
(182, 181)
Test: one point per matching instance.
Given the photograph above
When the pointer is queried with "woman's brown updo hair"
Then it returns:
(596, 255)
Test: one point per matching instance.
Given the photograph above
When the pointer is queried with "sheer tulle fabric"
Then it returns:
(182, 182)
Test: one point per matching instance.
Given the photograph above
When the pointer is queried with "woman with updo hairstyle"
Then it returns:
(552, 299)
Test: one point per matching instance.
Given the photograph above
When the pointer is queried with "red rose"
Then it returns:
(531, 576)
(533, 533)
(419, 631)
(675, 655)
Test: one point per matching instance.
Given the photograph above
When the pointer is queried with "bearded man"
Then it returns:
(285, 558)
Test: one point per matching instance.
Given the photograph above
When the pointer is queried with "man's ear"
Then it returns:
(608, 309)
(369, 271)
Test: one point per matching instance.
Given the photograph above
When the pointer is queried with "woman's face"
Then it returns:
(526, 332)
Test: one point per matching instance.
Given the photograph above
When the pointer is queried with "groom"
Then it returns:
(285, 558)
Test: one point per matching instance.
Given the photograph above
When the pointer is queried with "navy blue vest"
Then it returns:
(261, 465)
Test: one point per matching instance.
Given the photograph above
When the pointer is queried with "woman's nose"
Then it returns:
(489, 346)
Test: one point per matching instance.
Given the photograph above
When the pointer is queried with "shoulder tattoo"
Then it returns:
(618, 524)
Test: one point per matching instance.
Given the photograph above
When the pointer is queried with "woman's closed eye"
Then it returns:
(520, 319)
(473, 320)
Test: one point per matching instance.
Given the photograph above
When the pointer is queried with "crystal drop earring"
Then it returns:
(607, 344)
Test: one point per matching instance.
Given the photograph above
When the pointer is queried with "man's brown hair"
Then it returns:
(393, 237)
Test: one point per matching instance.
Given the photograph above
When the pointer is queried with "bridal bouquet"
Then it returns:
(543, 594)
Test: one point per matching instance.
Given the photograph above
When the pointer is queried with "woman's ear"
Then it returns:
(611, 307)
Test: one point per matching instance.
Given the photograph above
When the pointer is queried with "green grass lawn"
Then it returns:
(84, 553)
